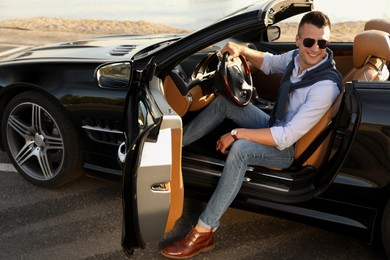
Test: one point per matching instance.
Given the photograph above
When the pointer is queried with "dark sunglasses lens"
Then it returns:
(322, 44)
(308, 42)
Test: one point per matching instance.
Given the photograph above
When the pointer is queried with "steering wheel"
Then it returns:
(238, 83)
(234, 76)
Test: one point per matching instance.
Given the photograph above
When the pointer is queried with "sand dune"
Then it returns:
(43, 30)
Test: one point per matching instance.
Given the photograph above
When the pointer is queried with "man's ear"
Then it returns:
(296, 39)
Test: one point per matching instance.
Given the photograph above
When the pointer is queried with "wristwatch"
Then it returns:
(233, 133)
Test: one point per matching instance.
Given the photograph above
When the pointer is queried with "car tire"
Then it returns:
(386, 228)
(40, 140)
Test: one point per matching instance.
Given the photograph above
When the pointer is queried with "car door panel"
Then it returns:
(154, 200)
(356, 176)
(153, 192)
(160, 206)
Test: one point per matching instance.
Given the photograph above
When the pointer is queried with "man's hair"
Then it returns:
(316, 18)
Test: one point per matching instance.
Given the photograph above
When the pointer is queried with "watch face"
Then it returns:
(233, 132)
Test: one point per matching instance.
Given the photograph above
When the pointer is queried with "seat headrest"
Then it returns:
(378, 24)
(370, 43)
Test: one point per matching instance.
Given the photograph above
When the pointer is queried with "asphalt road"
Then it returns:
(83, 221)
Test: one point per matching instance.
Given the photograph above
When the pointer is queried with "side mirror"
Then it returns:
(114, 75)
(273, 33)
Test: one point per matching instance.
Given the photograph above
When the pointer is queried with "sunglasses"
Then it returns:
(309, 42)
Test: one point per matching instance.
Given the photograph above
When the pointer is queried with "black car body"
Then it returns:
(86, 103)
(64, 73)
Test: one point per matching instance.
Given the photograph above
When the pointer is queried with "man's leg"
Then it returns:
(221, 108)
(241, 154)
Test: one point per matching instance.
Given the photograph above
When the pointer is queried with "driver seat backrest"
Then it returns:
(317, 157)
(371, 52)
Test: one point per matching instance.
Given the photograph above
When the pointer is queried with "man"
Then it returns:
(308, 88)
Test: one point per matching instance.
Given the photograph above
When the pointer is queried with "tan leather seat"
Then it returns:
(371, 52)
(378, 24)
(317, 153)
(303, 143)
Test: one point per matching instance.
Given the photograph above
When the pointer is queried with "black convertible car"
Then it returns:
(118, 104)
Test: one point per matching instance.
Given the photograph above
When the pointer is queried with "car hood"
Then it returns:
(108, 48)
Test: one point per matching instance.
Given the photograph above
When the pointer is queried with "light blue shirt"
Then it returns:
(305, 107)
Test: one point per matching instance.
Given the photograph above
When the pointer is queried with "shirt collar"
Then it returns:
(296, 65)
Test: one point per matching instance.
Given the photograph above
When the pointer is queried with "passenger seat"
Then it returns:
(371, 52)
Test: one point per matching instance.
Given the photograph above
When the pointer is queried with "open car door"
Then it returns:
(153, 190)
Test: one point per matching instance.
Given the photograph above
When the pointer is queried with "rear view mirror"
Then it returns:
(273, 33)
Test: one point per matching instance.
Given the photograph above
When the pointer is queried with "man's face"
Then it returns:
(310, 56)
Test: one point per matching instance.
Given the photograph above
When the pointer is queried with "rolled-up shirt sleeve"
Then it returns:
(275, 63)
(319, 97)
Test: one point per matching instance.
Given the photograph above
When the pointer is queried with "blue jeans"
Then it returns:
(241, 154)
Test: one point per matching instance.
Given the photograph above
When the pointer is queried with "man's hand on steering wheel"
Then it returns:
(234, 50)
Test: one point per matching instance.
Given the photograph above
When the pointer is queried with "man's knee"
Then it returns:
(238, 148)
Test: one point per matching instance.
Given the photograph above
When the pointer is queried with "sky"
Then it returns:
(346, 10)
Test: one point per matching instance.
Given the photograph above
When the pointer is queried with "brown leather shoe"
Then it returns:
(194, 243)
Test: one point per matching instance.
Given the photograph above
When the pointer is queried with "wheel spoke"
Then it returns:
(25, 153)
(52, 142)
(21, 128)
(44, 163)
(36, 118)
